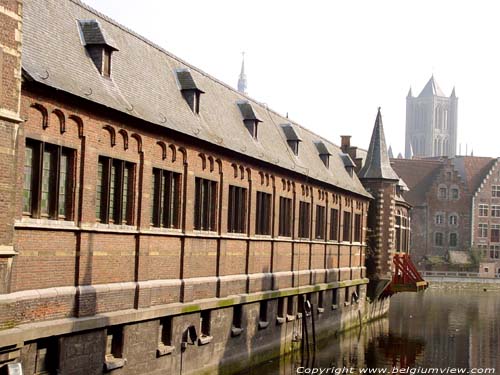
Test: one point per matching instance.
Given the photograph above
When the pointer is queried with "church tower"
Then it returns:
(242, 81)
(431, 122)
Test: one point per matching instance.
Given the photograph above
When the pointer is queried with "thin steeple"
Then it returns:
(242, 81)
(390, 153)
(377, 164)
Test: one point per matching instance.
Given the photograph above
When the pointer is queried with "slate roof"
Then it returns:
(418, 174)
(144, 84)
(377, 165)
(473, 170)
(93, 34)
(247, 111)
(322, 149)
(431, 89)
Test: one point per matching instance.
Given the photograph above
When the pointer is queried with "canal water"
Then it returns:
(439, 328)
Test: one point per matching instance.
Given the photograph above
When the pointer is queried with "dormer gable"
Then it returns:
(292, 138)
(250, 119)
(323, 153)
(190, 91)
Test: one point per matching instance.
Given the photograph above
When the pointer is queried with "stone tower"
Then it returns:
(431, 122)
(242, 81)
(10, 99)
(378, 177)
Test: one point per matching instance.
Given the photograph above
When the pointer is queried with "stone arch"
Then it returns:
(173, 152)
(203, 161)
(124, 135)
(163, 147)
(138, 140)
(62, 119)
(183, 151)
(79, 123)
(112, 134)
(43, 112)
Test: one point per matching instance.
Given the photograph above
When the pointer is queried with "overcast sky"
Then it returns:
(330, 64)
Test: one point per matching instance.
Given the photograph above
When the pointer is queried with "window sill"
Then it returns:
(263, 325)
(335, 307)
(204, 340)
(290, 318)
(27, 222)
(112, 363)
(164, 350)
(321, 310)
(280, 320)
(115, 227)
(236, 331)
(347, 303)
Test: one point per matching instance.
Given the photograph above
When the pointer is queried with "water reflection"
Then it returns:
(438, 328)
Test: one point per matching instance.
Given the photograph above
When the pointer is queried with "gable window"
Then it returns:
(189, 90)
(454, 193)
(495, 211)
(495, 191)
(483, 210)
(304, 219)
(205, 205)
(346, 231)
(115, 191)
(357, 228)
(438, 239)
(237, 208)
(453, 240)
(443, 193)
(250, 119)
(48, 181)
(285, 218)
(320, 222)
(263, 213)
(99, 46)
(323, 152)
(483, 230)
(166, 199)
(292, 137)
(334, 224)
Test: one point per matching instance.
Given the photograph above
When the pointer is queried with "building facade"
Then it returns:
(455, 206)
(154, 220)
(431, 122)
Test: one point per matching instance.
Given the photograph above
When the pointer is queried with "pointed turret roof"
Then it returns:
(410, 94)
(390, 153)
(453, 95)
(431, 89)
(242, 81)
(377, 165)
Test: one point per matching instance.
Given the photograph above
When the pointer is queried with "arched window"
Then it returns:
(453, 219)
(445, 119)
(438, 239)
(442, 191)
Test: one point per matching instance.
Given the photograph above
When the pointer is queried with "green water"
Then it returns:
(439, 328)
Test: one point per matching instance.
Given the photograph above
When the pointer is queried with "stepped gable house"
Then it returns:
(456, 206)
(152, 217)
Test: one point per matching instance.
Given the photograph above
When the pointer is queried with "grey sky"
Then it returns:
(330, 64)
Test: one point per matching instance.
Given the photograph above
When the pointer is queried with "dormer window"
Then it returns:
(323, 152)
(349, 165)
(99, 46)
(250, 119)
(292, 137)
(190, 91)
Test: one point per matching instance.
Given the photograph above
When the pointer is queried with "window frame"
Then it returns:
(263, 213)
(285, 219)
(304, 220)
(237, 209)
(205, 204)
(60, 181)
(320, 222)
(166, 199)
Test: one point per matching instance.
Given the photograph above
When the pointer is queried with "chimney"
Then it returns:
(345, 143)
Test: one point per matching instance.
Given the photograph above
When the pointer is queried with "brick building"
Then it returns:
(154, 220)
(455, 206)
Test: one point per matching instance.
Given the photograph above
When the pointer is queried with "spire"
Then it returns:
(410, 94)
(389, 152)
(377, 164)
(400, 156)
(411, 152)
(242, 81)
(453, 95)
(431, 89)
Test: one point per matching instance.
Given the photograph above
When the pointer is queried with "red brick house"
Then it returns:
(152, 217)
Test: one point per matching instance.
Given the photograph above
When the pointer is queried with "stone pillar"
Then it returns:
(10, 101)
